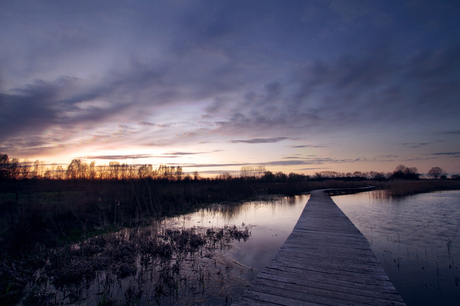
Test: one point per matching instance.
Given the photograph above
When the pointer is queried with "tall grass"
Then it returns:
(404, 188)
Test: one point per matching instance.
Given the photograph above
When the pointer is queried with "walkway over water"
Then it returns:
(325, 261)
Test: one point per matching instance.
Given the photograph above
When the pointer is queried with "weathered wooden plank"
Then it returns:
(357, 288)
(352, 277)
(255, 300)
(331, 250)
(361, 270)
(336, 242)
(261, 298)
(325, 261)
(313, 277)
(330, 260)
(288, 297)
(331, 296)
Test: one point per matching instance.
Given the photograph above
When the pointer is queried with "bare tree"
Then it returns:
(4, 166)
(178, 173)
(14, 167)
(25, 170)
(39, 168)
(92, 170)
(59, 172)
(74, 169)
(250, 171)
(436, 172)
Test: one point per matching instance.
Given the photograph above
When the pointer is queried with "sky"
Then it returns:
(294, 86)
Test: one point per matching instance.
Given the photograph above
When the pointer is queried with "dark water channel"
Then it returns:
(416, 239)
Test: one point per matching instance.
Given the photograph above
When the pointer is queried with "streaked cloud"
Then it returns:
(121, 157)
(454, 154)
(415, 145)
(147, 123)
(306, 146)
(259, 140)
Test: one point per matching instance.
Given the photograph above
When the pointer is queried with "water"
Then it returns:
(416, 239)
(270, 223)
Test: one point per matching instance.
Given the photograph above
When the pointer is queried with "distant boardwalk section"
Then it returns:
(325, 261)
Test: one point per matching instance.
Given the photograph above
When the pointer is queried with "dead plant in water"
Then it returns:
(165, 265)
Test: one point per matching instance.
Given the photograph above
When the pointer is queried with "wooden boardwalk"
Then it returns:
(325, 261)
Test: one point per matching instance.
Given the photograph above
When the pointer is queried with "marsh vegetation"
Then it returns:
(164, 266)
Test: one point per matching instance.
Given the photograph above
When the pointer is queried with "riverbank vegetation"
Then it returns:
(164, 266)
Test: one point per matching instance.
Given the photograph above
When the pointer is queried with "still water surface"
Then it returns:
(270, 223)
(416, 238)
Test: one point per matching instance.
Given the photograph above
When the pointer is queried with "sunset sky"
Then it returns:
(295, 86)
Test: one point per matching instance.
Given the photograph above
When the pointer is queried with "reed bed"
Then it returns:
(405, 188)
(129, 267)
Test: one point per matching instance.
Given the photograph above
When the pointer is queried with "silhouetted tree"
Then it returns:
(295, 177)
(178, 173)
(377, 176)
(92, 170)
(252, 172)
(114, 168)
(144, 171)
(268, 177)
(59, 173)
(25, 170)
(4, 166)
(38, 169)
(280, 177)
(165, 171)
(225, 176)
(436, 173)
(4, 161)
(405, 173)
(14, 168)
(74, 169)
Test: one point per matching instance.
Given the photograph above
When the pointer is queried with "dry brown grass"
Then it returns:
(404, 188)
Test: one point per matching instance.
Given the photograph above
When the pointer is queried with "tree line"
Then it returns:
(401, 172)
(77, 169)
